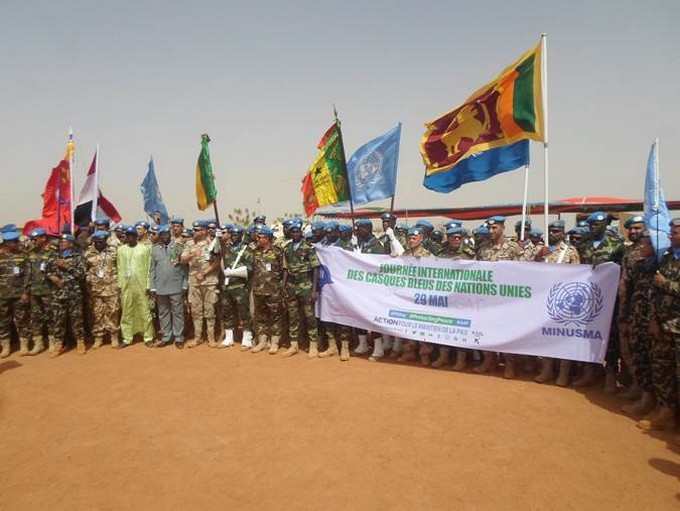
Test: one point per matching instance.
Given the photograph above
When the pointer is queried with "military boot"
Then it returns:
(663, 419)
(397, 347)
(425, 352)
(588, 376)
(546, 373)
(23, 347)
(645, 405)
(51, 343)
(461, 360)
(274, 346)
(610, 386)
(408, 354)
(344, 351)
(443, 357)
(332, 348)
(363, 345)
(38, 345)
(80, 347)
(247, 340)
(293, 350)
(563, 376)
(313, 349)
(98, 343)
(4, 348)
(115, 343)
(489, 363)
(510, 367)
(388, 342)
(633, 392)
(261, 344)
(378, 350)
(58, 349)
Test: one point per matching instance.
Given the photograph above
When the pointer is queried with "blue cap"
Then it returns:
(309, 236)
(332, 226)
(202, 224)
(68, 237)
(142, 223)
(518, 223)
(163, 228)
(318, 225)
(482, 229)
(102, 220)
(598, 216)
(8, 228)
(498, 219)
(425, 224)
(266, 231)
(177, 220)
(130, 230)
(556, 224)
(453, 223)
(37, 232)
(415, 230)
(212, 221)
(100, 235)
(188, 232)
(579, 230)
(236, 229)
(345, 228)
(454, 230)
(287, 222)
(402, 227)
(437, 235)
(363, 222)
(535, 232)
(10, 236)
(153, 229)
(637, 219)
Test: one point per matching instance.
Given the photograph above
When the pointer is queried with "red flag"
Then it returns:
(56, 209)
(309, 200)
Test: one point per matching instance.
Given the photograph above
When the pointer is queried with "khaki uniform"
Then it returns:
(202, 293)
(102, 286)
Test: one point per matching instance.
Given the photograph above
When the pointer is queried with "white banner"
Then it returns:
(553, 310)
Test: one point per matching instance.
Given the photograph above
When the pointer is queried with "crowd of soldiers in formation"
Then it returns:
(219, 284)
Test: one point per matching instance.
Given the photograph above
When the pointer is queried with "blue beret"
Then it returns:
(188, 232)
(309, 235)
(119, 228)
(102, 220)
(260, 219)
(200, 223)
(142, 223)
(556, 224)
(8, 228)
(100, 235)
(425, 224)
(454, 230)
(318, 225)
(37, 232)
(437, 235)
(415, 230)
(10, 236)
(266, 231)
(345, 228)
(518, 223)
(295, 225)
(387, 216)
(236, 229)
(598, 216)
(498, 219)
(638, 219)
(163, 228)
(177, 220)
(363, 221)
(130, 229)
(583, 223)
(153, 229)
(482, 229)
(536, 232)
(227, 227)
(402, 227)
(453, 223)
(68, 237)
(332, 226)
(286, 222)
(212, 221)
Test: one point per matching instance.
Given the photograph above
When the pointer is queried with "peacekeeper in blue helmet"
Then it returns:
(15, 282)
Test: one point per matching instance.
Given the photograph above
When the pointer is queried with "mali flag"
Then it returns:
(326, 182)
(206, 193)
(502, 112)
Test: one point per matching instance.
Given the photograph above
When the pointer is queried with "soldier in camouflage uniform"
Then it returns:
(636, 312)
(301, 266)
(203, 280)
(238, 269)
(498, 248)
(558, 251)
(66, 270)
(635, 225)
(267, 285)
(41, 313)
(101, 260)
(432, 245)
(454, 249)
(667, 300)
(15, 282)
(598, 247)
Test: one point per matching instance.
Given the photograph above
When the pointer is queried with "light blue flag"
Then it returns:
(657, 217)
(153, 202)
(372, 169)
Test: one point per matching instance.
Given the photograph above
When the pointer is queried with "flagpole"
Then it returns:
(544, 87)
(524, 201)
(657, 186)
(95, 202)
(395, 172)
(72, 184)
(344, 161)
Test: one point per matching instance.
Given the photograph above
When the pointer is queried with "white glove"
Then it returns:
(228, 272)
(354, 240)
(395, 247)
(390, 234)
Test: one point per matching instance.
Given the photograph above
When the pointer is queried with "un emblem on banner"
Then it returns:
(575, 303)
(323, 278)
(369, 170)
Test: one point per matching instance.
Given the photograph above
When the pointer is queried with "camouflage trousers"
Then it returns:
(664, 376)
(105, 311)
(334, 332)
(299, 300)
(676, 341)
(267, 318)
(640, 345)
(67, 310)
(13, 309)
(236, 311)
(202, 300)
(41, 315)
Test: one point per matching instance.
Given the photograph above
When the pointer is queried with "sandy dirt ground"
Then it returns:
(211, 429)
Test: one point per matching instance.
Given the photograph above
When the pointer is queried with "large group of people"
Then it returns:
(226, 284)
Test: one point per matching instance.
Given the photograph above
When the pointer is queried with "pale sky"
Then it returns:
(145, 78)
